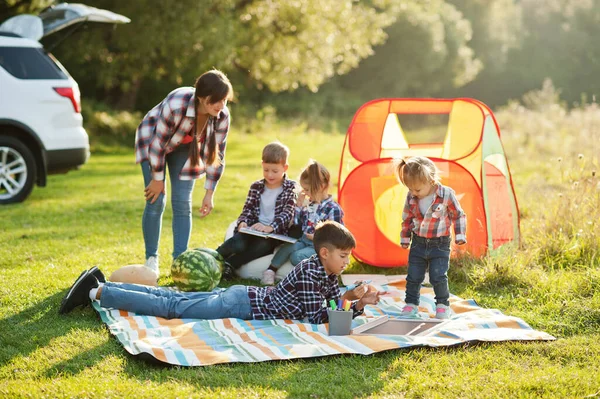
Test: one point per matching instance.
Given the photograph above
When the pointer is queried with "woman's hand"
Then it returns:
(207, 203)
(153, 190)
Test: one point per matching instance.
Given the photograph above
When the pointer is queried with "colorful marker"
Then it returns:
(353, 286)
(332, 304)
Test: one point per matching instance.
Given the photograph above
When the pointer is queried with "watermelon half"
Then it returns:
(195, 271)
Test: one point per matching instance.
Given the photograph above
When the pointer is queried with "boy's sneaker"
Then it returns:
(78, 293)
(98, 274)
(442, 311)
(409, 310)
(227, 272)
(152, 264)
(268, 277)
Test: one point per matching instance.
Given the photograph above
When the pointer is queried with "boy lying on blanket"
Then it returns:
(299, 296)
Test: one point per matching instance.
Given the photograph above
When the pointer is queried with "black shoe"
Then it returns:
(228, 272)
(98, 274)
(79, 293)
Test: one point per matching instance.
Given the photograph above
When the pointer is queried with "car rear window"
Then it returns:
(29, 63)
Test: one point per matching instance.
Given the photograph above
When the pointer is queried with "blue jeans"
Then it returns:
(155, 301)
(181, 203)
(432, 253)
(296, 252)
(243, 248)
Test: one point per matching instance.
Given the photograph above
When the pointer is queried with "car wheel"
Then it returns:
(17, 170)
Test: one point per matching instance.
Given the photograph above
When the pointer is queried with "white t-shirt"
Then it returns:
(267, 205)
(425, 203)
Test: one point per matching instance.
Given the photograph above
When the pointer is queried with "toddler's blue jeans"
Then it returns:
(432, 253)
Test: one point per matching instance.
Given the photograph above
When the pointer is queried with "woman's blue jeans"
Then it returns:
(296, 252)
(432, 253)
(155, 301)
(181, 203)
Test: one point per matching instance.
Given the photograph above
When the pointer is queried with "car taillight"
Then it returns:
(71, 94)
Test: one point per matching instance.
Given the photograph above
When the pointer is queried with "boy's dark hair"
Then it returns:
(275, 152)
(333, 235)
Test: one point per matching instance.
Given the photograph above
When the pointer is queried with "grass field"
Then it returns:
(92, 217)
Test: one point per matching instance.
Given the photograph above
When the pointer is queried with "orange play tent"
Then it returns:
(464, 142)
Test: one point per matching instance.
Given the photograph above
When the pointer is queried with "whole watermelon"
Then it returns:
(218, 257)
(195, 271)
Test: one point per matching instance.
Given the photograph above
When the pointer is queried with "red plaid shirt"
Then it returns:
(165, 126)
(299, 295)
(284, 206)
(444, 211)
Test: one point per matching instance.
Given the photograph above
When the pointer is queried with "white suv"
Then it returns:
(41, 129)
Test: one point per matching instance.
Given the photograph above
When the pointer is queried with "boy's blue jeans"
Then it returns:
(296, 252)
(432, 253)
(154, 301)
(181, 203)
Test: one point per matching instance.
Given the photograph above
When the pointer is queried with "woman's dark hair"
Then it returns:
(214, 85)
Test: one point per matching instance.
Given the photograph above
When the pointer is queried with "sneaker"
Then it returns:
(152, 264)
(227, 272)
(268, 277)
(442, 311)
(79, 293)
(409, 310)
(98, 274)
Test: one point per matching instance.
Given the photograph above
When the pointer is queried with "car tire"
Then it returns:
(17, 170)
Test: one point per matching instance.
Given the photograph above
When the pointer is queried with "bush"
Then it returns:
(109, 128)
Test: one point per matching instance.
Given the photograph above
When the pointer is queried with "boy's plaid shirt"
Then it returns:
(308, 217)
(299, 295)
(444, 210)
(165, 125)
(284, 206)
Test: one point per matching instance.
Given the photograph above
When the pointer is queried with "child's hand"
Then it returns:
(405, 246)
(262, 228)
(461, 242)
(242, 225)
(369, 298)
(309, 236)
(356, 293)
(301, 198)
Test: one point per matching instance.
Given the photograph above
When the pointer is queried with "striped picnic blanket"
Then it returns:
(192, 342)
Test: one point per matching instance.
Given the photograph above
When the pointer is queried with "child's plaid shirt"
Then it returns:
(436, 222)
(165, 125)
(299, 295)
(284, 206)
(308, 217)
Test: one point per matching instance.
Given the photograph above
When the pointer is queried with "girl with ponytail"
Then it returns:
(186, 134)
(314, 205)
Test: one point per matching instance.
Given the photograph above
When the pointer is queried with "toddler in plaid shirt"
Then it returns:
(429, 211)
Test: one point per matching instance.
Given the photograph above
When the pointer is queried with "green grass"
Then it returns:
(93, 216)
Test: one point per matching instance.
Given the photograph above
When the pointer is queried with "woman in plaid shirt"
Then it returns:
(185, 133)
(429, 211)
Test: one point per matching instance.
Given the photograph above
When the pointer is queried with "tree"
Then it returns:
(277, 44)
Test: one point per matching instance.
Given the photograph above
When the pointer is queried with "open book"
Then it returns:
(280, 237)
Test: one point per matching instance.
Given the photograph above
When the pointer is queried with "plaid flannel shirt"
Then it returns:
(309, 216)
(436, 222)
(284, 206)
(300, 295)
(164, 127)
